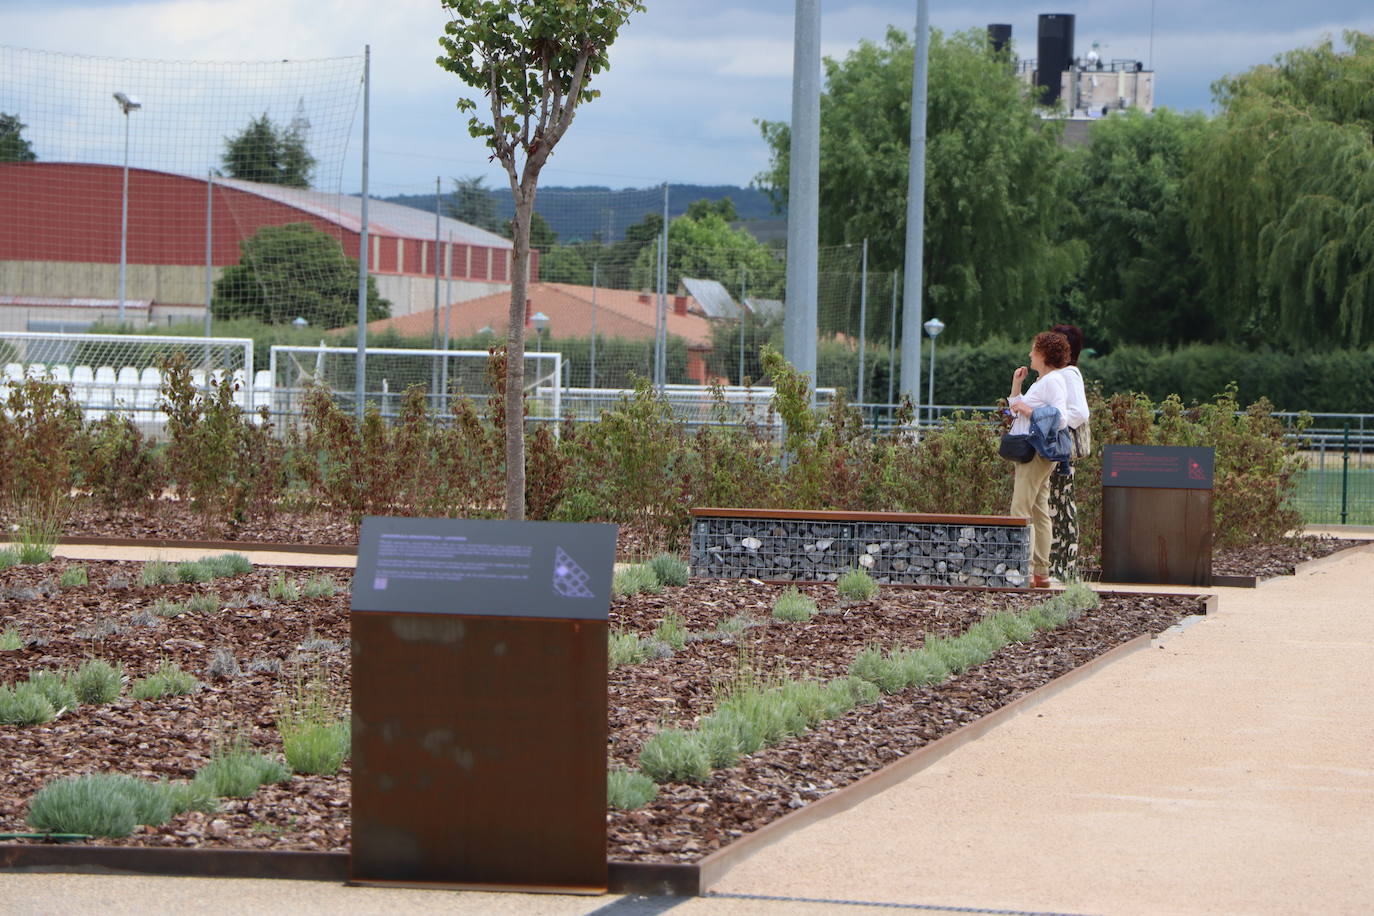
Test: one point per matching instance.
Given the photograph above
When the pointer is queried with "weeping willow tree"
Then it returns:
(1283, 194)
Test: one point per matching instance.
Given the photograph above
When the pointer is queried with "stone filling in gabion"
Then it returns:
(820, 551)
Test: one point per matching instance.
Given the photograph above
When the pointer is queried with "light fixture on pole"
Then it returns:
(127, 104)
(541, 323)
(933, 328)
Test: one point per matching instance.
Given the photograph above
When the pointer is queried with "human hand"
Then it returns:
(1019, 375)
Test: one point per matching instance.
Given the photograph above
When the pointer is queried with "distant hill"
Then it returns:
(584, 212)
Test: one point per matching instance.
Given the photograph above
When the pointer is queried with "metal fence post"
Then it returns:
(1345, 470)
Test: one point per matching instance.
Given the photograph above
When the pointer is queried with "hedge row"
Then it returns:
(1337, 381)
(638, 465)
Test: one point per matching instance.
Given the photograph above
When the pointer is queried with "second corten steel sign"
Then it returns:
(479, 703)
(1157, 514)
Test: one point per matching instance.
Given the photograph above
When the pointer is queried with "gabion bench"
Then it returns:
(895, 547)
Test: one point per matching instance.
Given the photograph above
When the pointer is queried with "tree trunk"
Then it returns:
(515, 358)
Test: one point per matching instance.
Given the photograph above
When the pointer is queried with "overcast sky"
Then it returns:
(687, 78)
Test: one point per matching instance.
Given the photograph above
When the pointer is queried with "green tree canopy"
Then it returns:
(705, 246)
(565, 264)
(472, 202)
(1283, 199)
(295, 271)
(13, 146)
(996, 252)
(1141, 280)
(263, 152)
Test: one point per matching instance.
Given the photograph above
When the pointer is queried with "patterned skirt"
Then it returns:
(1064, 522)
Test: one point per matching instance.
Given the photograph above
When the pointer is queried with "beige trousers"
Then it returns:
(1030, 499)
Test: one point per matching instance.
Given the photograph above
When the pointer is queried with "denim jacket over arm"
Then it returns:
(1048, 439)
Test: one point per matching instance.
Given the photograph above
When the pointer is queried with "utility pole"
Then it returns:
(803, 194)
(914, 279)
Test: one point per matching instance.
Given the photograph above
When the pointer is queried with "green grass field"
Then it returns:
(1319, 496)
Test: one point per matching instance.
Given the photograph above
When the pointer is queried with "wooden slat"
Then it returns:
(842, 515)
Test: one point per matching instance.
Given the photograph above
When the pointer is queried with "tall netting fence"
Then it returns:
(603, 294)
(235, 174)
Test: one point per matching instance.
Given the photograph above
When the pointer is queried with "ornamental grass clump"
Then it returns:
(56, 687)
(206, 603)
(625, 649)
(313, 721)
(10, 640)
(36, 539)
(320, 587)
(164, 608)
(188, 796)
(73, 576)
(168, 681)
(8, 558)
(109, 804)
(235, 771)
(157, 572)
(957, 654)
(794, 607)
(634, 580)
(942, 656)
(920, 668)
(97, 682)
(882, 670)
(24, 704)
(857, 585)
(671, 570)
(675, 755)
(671, 631)
(194, 571)
(97, 804)
(283, 589)
(226, 565)
(1015, 627)
(627, 790)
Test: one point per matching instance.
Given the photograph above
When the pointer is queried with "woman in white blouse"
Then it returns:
(1030, 497)
(1063, 509)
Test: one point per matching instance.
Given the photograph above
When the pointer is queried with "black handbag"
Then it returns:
(1016, 448)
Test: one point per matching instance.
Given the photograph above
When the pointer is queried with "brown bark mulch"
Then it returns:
(274, 643)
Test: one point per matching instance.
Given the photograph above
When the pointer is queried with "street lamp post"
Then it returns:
(126, 104)
(541, 323)
(933, 328)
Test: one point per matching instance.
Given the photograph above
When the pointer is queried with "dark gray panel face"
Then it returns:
(480, 566)
(1165, 466)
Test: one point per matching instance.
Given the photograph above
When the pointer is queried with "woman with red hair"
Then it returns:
(1030, 498)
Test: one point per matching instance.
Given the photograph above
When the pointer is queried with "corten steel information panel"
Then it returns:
(479, 703)
(1157, 514)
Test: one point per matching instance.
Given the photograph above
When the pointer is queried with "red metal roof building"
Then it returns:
(60, 237)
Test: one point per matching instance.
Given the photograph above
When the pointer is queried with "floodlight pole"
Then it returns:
(591, 382)
(803, 195)
(363, 244)
(209, 245)
(126, 105)
(916, 213)
(438, 252)
(863, 321)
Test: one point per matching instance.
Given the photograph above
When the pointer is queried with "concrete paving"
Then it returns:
(1226, 771)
